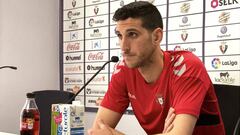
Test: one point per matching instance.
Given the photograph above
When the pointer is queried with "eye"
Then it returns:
(132, 34)
(119, 36)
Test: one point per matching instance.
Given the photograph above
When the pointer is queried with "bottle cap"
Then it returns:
(30, 95)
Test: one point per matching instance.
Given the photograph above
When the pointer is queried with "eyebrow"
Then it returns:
(131, 29)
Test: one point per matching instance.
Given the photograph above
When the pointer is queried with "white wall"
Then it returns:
(28, 40)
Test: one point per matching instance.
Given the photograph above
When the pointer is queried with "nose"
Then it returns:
(125, 46)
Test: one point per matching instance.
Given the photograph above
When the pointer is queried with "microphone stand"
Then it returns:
(71, 99)
(11, 67)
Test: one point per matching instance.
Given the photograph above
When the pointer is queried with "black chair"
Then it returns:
(44, 100)
(229, 102)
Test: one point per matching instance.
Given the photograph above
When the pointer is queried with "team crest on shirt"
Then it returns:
(160, 99)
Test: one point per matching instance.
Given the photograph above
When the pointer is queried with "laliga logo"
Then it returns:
(216, 63)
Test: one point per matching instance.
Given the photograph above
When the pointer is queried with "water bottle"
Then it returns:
(30, 117)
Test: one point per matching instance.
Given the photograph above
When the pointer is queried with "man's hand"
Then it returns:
(168, 125)
(103, 129)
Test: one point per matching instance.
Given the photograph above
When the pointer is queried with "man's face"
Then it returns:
(135, 42)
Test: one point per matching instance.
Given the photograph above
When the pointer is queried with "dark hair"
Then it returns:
(147, 12)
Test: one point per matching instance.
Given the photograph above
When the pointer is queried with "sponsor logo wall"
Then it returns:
(208, 28)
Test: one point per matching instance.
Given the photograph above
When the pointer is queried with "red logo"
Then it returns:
(223, 47)
(97, 56)
(214, 3)
(73, 47)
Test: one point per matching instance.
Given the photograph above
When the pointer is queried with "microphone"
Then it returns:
(113, 59)
(11, 67)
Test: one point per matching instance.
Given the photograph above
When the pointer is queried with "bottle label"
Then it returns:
(27, 123)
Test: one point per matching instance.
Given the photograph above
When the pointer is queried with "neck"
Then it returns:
(153, 69)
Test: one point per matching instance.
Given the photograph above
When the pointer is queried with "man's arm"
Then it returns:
(109, 117)
(183, 124)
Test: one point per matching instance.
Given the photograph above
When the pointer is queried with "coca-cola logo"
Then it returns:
(73, 47)
(97, 56)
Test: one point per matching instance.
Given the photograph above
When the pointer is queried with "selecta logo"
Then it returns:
(99, 79)
(97, 56)
(216, 63)
(73, 69)
(224, 78)
(216, 3)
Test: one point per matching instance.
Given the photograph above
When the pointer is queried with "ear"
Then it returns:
(157, 35)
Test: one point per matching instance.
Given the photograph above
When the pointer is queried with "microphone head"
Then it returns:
(114, 59)
(15, 68)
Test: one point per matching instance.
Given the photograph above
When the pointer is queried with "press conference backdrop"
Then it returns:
(208, 28)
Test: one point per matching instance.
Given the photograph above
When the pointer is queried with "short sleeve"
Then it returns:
(116, 97)
(189, 85)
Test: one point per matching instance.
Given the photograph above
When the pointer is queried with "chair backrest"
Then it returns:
(44, 100)
(229, 102)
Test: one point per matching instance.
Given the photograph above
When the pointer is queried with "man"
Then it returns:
(154, 82)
